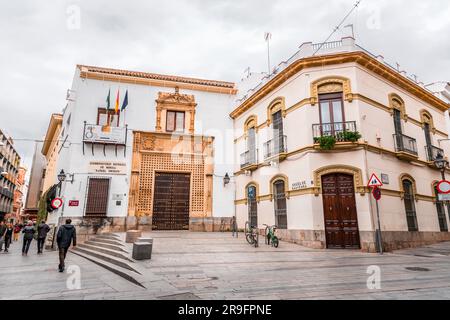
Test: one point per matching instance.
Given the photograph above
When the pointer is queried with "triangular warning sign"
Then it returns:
(374, 181)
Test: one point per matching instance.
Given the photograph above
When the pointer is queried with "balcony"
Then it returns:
(405, 147)
(104, 135)
(432, 152)
(343, 135)
(249, 160)
(275, 149)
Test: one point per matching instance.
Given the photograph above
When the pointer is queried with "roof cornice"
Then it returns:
(153, 79)
(55, 120)
(359, 57)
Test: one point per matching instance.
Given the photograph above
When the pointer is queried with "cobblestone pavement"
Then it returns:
(188, 265)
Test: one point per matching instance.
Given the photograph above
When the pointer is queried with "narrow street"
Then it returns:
(216, 266)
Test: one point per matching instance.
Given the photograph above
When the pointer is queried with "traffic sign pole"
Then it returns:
(380, 242)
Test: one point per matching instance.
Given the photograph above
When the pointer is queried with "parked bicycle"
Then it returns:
(270, 237)
(251, 234)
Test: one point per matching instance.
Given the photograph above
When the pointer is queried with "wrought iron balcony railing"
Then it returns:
(249, 158)
(432, 152)
(406, 144)
(275, 147)
(335, 129)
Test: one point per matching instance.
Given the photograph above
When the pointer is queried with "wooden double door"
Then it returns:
(339, 206)
(171, 201)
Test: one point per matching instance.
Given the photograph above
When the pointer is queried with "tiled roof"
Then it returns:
(161, 77)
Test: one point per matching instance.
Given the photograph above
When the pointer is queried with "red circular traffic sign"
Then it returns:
(57, 203)
(376, 192)
(443, 187)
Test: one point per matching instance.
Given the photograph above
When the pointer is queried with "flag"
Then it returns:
(125, 102)
(108, 100)
(117, 102)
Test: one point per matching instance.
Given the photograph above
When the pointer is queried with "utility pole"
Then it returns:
(268, 37)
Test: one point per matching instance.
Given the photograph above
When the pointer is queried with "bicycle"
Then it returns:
(251, 234)
(270, 237)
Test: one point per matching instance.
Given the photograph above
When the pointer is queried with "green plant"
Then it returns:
(326, 142)
(351, 136)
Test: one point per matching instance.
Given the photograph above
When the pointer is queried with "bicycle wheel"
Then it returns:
(249, 238)
(275, 242)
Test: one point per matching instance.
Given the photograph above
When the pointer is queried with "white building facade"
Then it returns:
(309, 137)
(109, 157)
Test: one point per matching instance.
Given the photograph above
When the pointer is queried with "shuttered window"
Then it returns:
(97, 198)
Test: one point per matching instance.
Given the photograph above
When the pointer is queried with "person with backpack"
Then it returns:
(42, 231)
(28, 235)
(66, 234)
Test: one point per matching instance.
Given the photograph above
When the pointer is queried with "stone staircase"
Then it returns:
(110, 252)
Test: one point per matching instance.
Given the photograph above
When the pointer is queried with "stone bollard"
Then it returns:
(146, 240)
(132, 236)
(142, 250)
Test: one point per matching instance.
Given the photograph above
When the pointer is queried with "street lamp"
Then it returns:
(441, 164)
(226, 179)
(61, 176)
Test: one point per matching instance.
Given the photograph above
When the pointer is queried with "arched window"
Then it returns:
(410, 206)
(440, 208)
(252, 205)
(250, 155)
(279, 196)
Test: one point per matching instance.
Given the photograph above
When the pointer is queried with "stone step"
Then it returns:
(105, 245)
(107, 241)
(107, 236)
(134, 277)
(121, 254)
(106, 257)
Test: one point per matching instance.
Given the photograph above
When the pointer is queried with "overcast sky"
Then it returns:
(42, 41)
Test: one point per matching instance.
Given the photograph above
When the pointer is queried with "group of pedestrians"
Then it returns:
(10, 233)
(65, 237)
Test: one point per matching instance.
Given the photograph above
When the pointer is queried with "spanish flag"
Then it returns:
(117, 102)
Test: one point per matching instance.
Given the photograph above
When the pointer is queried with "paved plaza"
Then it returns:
(188, 265)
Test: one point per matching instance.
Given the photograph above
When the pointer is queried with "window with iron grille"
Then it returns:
(441, 213)
(252, 206)
(280, 204)
(105, 115)
(410, 207)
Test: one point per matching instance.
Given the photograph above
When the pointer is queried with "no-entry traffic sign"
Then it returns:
(443, 187)
(376, 192)
(57, 203)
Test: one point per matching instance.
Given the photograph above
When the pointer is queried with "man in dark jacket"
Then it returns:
(28, 233)
(43, 229)
(66, 234)
(2, 234)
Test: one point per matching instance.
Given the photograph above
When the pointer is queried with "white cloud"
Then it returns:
(209, 39)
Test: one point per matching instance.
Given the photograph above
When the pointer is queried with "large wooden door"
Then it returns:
(339, 204)
(97, 198)
(171, 201)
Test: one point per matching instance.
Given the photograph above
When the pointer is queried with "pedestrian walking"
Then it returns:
(28, 234)
(8, 236)
(17, 229)
(42, 230)
(2, 234)
(66, 234)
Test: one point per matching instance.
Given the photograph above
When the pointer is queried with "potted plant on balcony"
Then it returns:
(349, 136)
(326, 142)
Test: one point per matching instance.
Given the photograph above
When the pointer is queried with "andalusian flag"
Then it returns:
(125, 102)
(108, 100)
(117, 102)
